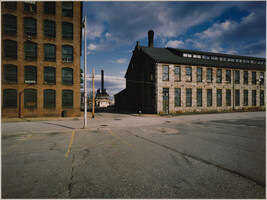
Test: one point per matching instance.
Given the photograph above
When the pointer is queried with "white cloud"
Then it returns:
(130, 21)
(115, 24)
(233, 37)
(94, 30)
(112, 84)
(120, 61)
(108, 35)
(92, 47)
(175, 44)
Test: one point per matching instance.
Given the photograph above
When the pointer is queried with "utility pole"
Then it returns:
(85, 81)
(93, 109)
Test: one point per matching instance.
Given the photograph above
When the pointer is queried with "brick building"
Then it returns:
(41, 49)
(168, 80)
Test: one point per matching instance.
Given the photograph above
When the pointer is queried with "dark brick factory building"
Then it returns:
(168, 80)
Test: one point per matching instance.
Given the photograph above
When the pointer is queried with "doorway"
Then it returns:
(165, 100)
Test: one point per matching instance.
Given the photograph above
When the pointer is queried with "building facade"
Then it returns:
(167, 80)
(41, 49)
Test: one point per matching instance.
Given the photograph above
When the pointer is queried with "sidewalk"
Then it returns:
(33, 119)
(89, 116)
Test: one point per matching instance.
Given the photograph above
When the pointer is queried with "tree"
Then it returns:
(81, 77)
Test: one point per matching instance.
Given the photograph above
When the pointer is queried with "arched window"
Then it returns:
(67, 53)
(67, 98)
(67, 76)
(67, 30)
(30, 74)
(30, 98)
(10, 74)
(49, 28)
(49, 52)
(9, 98)
(67, 9)
(9, 5)
(9, 24)
(49, 75)
(10, 49)
(49, 98)
(30, 26)
(50, 8)
(30, 51)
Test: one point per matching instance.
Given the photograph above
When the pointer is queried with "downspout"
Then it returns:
(233, 90)
(156, 87)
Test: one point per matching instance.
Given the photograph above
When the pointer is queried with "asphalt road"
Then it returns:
(125, 156)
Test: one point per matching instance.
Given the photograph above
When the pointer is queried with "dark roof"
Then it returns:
(171, 56)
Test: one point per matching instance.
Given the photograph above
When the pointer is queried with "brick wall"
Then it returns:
(40, 40)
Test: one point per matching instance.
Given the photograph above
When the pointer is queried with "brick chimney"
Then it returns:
(102, 81)
(151, 38)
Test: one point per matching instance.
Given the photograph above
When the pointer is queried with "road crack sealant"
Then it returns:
(71, 177)
(257, 182)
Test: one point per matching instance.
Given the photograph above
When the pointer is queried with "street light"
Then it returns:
(85, 81)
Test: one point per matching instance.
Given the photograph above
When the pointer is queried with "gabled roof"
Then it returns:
(171, 56)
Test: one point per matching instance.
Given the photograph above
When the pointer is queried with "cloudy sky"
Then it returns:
(114, 27)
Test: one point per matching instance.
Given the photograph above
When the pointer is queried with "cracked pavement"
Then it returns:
(125, 156)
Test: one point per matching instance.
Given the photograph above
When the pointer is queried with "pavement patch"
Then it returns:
(167, 130)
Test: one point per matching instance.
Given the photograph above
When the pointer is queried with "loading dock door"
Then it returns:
(165, 100)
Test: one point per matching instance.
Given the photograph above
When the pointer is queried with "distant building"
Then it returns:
(102, 97)
(41, 49)
(168, 80)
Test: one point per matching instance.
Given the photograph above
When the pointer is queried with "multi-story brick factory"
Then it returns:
(168, 80)
(41, 49)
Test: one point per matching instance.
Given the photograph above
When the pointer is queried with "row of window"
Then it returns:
(30, 98)
(30, 75)
(219, 97)
(49, 7)
(30, 27)
(237, 60)
(209, 78)
(30, 51)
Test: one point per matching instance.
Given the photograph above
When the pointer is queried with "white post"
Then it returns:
(85, 81)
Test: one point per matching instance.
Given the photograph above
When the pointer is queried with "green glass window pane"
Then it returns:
(188, 97)
(177, 97)
(49, 52)
(30, 26)
(10, 49)
(49, 75)
(50, 8)
(67, 9)
(67, 98)
(199, 97)
(30, 74)
(67, 53)
(49, 98)
(9, 98)
(67, 76)
(30, 98)
(30, 51)
(10, 74)
(49, 28)
(209, 97)
(9, 24)
(67, 30)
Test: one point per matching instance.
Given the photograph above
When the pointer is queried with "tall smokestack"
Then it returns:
(151, 38)
(102, 81)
